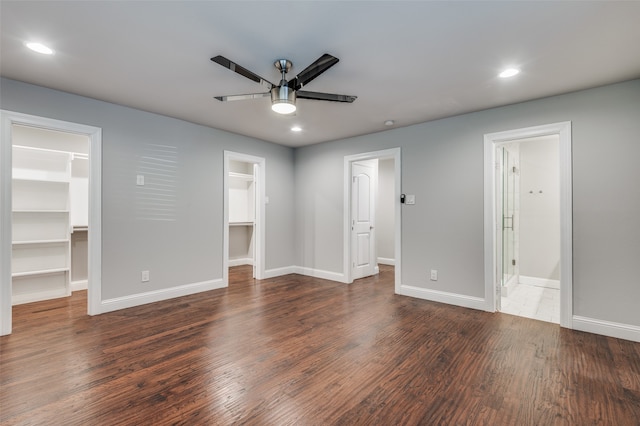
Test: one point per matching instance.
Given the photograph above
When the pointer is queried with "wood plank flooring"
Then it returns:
(295, 350)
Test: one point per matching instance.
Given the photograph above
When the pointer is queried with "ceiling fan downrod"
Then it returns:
(283, 99)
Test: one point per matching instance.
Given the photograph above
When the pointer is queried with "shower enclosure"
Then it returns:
(508, 208)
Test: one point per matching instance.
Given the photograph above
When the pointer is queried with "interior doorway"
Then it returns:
(44, 203)
(364, 194)
(528, 232)
(520, 207)
(372, 220)
(244, 212)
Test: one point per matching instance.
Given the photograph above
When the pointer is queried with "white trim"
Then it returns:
(394, 153)
(491, 140)
(7, 119)
(130, 301)
(386, 261)
(539, 282)
(319, 273)
(19, 299)
(240, 262)
(278, 272)
(607, 328)
(442, 297)
(79, 285)
(509, 287)
(259, 224)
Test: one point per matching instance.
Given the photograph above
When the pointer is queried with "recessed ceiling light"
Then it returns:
(389, 123)
(509, 72)
(40, 48)
(296, 129)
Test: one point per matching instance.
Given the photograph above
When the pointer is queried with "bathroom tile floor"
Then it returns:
(541, 303)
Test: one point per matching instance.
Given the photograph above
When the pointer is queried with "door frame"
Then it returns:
(94, 290)
(394, 153)
(491, 142)
(259, 224)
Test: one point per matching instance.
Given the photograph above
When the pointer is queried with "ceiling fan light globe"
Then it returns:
(283, 107)
(283, 100)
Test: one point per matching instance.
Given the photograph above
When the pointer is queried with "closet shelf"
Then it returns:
(241, 176)
(39, 211)
(29, 176)
(15, 243)
(39, 272)
(241, 223)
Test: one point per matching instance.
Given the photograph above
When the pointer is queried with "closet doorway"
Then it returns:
(50, 212)
(244, 212)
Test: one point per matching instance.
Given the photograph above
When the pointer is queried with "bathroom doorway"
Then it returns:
(513, 219)
(529, 213)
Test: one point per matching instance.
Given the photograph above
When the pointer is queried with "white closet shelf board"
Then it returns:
(241, 176)
(39, 272)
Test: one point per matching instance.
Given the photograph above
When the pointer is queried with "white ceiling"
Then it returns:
(408, 61)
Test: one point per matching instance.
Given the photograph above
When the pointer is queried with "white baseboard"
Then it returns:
(158, 295)
(539, 282)
(443, 297)
(240, 262)
(319, 273)
(79, 285)
(19, 299)
(607, 328)
(511, 285)
(386, 261)
(278, 272)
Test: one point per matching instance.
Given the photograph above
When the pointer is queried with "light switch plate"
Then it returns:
(411, 199)
(140, 180)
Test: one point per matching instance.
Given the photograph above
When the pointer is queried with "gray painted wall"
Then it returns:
(442, 164)
(185, 245)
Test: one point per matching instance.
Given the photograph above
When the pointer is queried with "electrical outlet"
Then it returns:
(144, 276)
(434, 275)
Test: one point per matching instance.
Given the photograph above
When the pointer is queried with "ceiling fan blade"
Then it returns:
(303, 94)
(243, 97)
(321, 64)
(221, 60)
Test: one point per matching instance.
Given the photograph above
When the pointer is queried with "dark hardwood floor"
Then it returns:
(298, 350)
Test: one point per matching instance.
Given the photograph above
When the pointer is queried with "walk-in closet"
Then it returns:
(242, 206)
(50, 181)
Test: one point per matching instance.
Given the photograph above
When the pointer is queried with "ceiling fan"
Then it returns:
(283, 95)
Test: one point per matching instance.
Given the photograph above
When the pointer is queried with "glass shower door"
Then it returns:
(508, 215)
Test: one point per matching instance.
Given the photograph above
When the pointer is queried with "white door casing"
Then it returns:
(259, 220)
(364, 183)
(94, 285)
(491, 141)
(349, 160)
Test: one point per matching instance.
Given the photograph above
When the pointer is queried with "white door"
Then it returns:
(364, 181)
